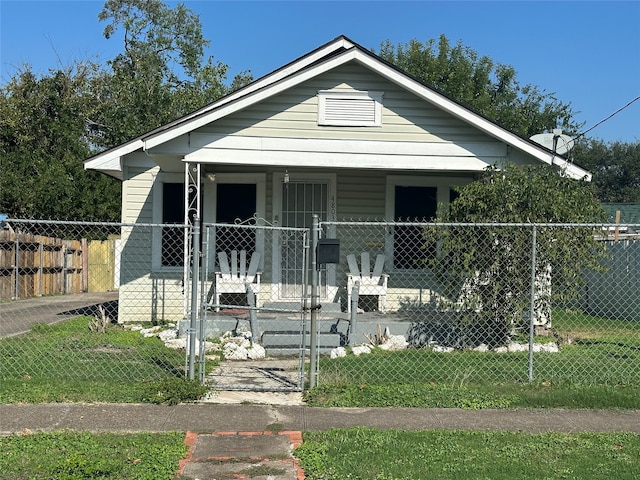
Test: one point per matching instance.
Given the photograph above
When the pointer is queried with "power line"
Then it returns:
(604, 120)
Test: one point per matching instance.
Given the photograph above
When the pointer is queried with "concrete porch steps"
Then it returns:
(295, 306)
(287, 341)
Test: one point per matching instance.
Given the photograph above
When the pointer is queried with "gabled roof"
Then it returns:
(338, 52)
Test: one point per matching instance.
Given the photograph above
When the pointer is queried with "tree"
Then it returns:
(487, 269)
(478, 82)
(615, 167)
(49, 124)
(43, 141)
(161, 74)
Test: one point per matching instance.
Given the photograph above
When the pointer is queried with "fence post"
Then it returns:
(532, 300)
(204, 257)
(195, 274)
(313, 351)
(353, 318)
(16, 267)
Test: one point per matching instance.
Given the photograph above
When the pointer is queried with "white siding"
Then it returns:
(145, 295)
(294, 114)
(137, 190)
(410, 129)
(361, 195)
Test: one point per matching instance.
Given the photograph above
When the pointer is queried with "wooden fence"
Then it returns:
(34, 265)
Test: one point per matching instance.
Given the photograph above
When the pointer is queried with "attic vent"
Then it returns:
(350, 108)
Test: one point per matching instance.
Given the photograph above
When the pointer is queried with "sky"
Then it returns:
(586, 53)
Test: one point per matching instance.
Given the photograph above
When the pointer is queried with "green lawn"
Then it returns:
(598, 366)
(370, 454)
(66, 362)
(83, 455)
(356, 453)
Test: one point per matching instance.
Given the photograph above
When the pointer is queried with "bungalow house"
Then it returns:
(339, 132)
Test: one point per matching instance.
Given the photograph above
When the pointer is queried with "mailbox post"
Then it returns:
(323, 250)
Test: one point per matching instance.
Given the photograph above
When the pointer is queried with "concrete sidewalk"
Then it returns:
(251, 418)
(257, 440)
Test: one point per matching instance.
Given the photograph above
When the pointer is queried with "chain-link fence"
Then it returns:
(485, 303)
(84, 301)
(98, 301)
(488, 303)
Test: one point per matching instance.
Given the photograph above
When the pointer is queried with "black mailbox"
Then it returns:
(328, 250)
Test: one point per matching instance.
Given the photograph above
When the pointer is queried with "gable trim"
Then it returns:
(336, 53)
(392, 74)
(478, 121)
(249, 99)
(101, 160)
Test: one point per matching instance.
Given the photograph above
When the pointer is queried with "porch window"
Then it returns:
(236, 204)
(231, 206)
(168, 252)
(415, 199)
(172, 212)
(413, 204)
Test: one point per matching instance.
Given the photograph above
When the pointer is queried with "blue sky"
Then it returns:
(587, 53)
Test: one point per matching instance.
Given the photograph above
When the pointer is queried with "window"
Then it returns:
(415, 199)
(349, 108)
(167, 247)
(412, 204)
(234, 198)
(172, 212)
(236, 203)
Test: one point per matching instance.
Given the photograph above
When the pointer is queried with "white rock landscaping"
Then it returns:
(240, 347)
(394, 342)
(398, 342)
(237, 347)
(338, 352)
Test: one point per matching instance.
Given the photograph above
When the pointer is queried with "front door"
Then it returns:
(236, 204)
(300, 199)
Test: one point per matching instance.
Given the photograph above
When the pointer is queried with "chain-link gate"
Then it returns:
(253, 295)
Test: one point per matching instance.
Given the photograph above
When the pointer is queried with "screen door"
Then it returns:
(300, 200)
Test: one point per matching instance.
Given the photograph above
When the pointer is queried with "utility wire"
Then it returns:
(602, 121)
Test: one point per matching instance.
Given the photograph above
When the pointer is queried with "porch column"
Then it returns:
(192, 214)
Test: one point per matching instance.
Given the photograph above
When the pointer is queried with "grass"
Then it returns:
(598, 367)
(371, 454)
(83, 455)
(65, 362)
(475, 396)
(583, 327)
(355, 453)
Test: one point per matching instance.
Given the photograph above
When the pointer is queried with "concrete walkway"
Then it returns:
(247, 439)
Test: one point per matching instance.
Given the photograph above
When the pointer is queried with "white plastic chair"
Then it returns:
(235, 274)
(371, 282)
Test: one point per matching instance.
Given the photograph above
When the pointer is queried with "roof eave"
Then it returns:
(99, 161)
(539, 152)
(331, 55)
